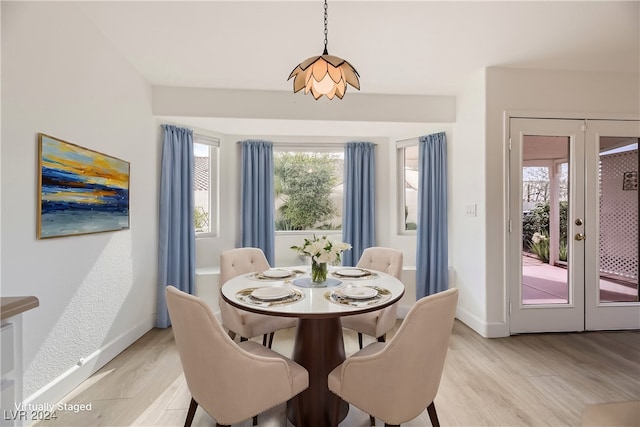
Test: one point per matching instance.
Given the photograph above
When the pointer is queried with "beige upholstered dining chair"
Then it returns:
(233, 263)
(620, 414)
(232, 382)
(396, 381)
(377, 323)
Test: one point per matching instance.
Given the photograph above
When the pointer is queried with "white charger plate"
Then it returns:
(351, 272)
(276, 274)
(271, 292)
(358, 292)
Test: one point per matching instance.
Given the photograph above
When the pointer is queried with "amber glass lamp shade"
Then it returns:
(324, 75)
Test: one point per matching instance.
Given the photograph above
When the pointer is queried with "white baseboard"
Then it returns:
(53, 392)
(486, 330)
(497, 330)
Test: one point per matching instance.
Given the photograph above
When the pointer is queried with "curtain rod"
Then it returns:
(407, 139)
(301, 144)
(198, 135)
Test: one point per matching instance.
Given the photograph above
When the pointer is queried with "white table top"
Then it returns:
(313, 302)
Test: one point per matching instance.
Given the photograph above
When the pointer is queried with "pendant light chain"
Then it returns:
(324, 75)
(326, 32)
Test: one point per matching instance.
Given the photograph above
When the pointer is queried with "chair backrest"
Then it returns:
(419, 348)
(218, 372)
(235, 262)
(378, 258)
(399, 381)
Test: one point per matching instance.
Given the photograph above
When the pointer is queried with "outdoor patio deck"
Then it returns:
(547, 284)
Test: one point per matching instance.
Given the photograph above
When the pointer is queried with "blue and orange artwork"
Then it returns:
(81, 191)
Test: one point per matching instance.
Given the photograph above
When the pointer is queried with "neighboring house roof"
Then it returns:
(201, 174)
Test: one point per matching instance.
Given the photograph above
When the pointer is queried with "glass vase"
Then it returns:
(318, 271)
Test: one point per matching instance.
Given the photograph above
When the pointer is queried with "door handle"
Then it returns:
(580, 236)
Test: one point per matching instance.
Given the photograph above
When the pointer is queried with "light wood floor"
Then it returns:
(526, 380)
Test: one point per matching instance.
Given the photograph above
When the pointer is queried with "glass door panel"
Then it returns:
(611, 288)
(545, 184)
(546, 171)
(573, 203)
(618, 222)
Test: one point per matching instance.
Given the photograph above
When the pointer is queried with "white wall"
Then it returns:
(536, 93)
(278, 105)
(479, 171)
(97, 292)
(467, 234)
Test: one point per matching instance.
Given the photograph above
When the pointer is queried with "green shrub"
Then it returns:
(539, 246)
(537, 221)
(562, 252)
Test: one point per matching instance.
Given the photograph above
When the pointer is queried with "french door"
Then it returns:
(573, 218)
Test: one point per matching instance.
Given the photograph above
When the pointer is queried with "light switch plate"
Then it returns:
(471, 210)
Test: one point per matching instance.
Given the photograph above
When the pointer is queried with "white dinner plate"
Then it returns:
(358, 292)
(271, 293)
(276, 274)
(352, 272)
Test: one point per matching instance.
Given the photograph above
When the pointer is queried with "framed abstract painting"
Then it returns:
(80, 191)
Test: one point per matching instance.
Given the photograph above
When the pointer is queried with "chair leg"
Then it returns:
(433, 416)
(271, 338)
(298, 402)
(243, 339)
(190, 414)
(264, 340)
(360, 339)
(232, 334)
(335, 412)
(382, 338)
(372, 421)
(255, 420)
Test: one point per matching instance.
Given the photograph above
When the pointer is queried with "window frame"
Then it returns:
(301, 147)
(401, 147)
(214, 191)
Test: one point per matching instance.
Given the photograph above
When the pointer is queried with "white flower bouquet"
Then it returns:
(322, 250)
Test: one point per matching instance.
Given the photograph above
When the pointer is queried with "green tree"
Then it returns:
(303, 181)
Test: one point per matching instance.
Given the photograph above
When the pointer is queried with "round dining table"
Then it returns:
(318, 345)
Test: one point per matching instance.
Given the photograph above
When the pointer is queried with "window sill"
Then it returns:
(308, 232)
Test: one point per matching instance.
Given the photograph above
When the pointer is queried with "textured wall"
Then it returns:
(60, 77)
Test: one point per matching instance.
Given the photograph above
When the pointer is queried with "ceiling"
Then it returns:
(536, 148)
(398, 47)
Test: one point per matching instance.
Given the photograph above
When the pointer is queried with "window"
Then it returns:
(308, 187)
(205, 188)
(407, 152)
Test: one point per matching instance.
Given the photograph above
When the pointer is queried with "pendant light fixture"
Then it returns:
(325, 74)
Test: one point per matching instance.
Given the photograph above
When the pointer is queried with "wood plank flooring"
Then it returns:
(525, 380)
